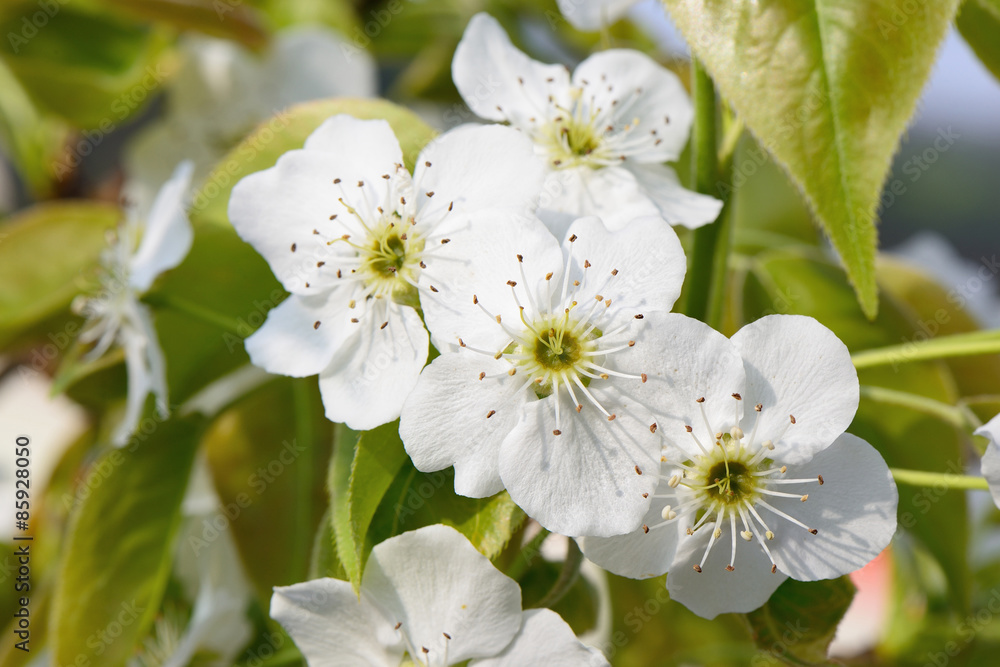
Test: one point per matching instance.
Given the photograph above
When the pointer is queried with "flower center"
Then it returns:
(557, 349)
(390, 261)
(731, 482)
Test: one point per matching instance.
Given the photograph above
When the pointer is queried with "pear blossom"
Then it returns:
(593, 14)
(140, 250)
(222, 90)
(758, 480)
(427, 598)
(604, 131)
(542, 384)
(990, 465)
(350, 233)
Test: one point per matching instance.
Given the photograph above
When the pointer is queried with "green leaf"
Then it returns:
(797, 624)
(256, 458)
(827, 88)
(233, 21)
(288, 130)
(120, 549)
(338, 484)
(91, 69)
(45, 251)
(979, 23)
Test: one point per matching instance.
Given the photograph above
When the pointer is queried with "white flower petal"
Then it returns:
(478, 261)
(332, 627)
(290, 342)
(611, 193)
(684, 360)
(544, 639)
(593, 14)
(168, 235)
(991, 459)
(639, 554)
(714, 590)
(139, 387)
(433, 581)
(367, 381)
(678, 205)
(796, 366)
(497, 80)
(640, 268)
(454, 418)
(643, 94)
(474, 167)
(854, 512)
(277, 210)
(587, 480)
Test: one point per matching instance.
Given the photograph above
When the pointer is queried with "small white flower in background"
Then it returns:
(140, 251)
(544, 390)
(427, 598)
(352, 236)
(604, 132)
(759, 481)
(990, 465)
(223, 90)
(593, 14)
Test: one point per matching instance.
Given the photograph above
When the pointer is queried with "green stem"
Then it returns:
(567, 576)
(958, 345)
(948, 480)
(710, 248)
(951, 414)
(193, 310)
(305, 434)
(527, 556)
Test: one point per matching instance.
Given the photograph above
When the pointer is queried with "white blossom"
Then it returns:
(758, 481)
(604, 131)
(352, 235)
(990, 465)
(427, 598)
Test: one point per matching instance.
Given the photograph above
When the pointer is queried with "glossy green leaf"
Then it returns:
(234, 21)
(120, 548)
(288, 130)
(979, 23)
(270, 480)
(797, 624)
(46, 252)
(377, 457)
(827, 88)
(92, 69)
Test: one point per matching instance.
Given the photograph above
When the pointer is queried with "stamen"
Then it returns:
(775, 510)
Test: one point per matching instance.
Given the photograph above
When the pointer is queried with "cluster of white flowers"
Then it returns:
(539, 260)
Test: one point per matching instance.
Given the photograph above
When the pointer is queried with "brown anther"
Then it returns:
(498, 319)
(336, 180)
(402, 237)
(652, 428)
(475, 299)
(427, 164)
(586, 264)
(614, 272)
(604, 376)
(607, 303)
(430, 193)
(688, 428)
(691, 532)
(293, 247)
(737, 397)
(361, 184)
(354, 320)
(579, 406)
(434, 289)
(645, 495)
(402, 200)
(638, 470)
(804, 498)
(639, 316)
(425, 649)
(482, 375)
(451, 205)
(645, 528)
(512, 372)
(339, 274)
(444, 241)
(612, 418)
(700, 400)
(758, 407)
(384, 325)
(520, 258)
(316, 324)
(397, 626)
(820, 478)
(642, 376)
(697, 568)
(461, 343)
(319, 264)
(813, 531)
(332, 217)
(557, 162)
(792, 418)
(572, 238)
(774, 568)
(490, 413)
(631, 343)
(512, 283)
(730, 568)
(385, 176)
(556, 432)
(422, 265)
(307, 284)
(446, 635)
(548, 276)
(598, 297)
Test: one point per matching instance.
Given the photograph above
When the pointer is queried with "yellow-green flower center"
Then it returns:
(390, 261)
